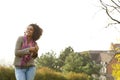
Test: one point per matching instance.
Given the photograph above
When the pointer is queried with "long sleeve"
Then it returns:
(18, 51)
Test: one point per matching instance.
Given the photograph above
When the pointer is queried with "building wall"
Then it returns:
(109, 66)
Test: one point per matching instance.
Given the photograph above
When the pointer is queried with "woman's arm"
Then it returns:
(35, 54)
(18, 51)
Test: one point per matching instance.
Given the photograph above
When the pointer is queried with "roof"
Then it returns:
(101, 55)
(106, 57)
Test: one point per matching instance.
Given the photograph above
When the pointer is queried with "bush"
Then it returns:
(7, 73)
(48, 74)
(77, 76)
(44, 73)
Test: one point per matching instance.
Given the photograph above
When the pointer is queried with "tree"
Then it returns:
(50, 60)
(63, 55)
(69, 61)
(47, 60)
(72, 63)
(112, 9)
(77, 62)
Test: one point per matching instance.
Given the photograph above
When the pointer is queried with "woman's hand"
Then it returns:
(34, 49)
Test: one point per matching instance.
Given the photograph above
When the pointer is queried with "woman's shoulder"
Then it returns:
(20, 38)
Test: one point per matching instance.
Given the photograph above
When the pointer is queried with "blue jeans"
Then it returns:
(25, 74)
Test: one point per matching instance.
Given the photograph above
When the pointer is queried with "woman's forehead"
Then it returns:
(30, 27)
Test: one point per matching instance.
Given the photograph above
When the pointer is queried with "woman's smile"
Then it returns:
(29, 31)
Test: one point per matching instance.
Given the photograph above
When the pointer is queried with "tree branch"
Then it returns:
(115, 3)
(118, 1)
(111, 16)
(110, 24)
(107, 11)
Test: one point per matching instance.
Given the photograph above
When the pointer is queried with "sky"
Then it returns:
(76, 23)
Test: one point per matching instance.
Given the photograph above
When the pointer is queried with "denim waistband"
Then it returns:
(24, 67)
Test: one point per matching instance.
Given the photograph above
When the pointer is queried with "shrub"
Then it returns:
(44, 73)
(7, 73)
(48, 74)
(77, 76)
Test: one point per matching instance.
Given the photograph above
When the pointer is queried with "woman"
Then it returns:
(26, 51)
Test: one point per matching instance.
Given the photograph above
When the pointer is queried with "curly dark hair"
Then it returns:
(37, 31)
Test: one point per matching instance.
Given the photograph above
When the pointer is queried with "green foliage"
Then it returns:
(89, 66)
(63, 55)
(69, 65)
(69, 61)
(77, 62)
(47, 60)
(72, 63)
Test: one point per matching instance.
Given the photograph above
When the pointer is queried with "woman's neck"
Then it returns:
(29, 39)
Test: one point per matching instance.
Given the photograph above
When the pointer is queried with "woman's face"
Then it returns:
(29, 31)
